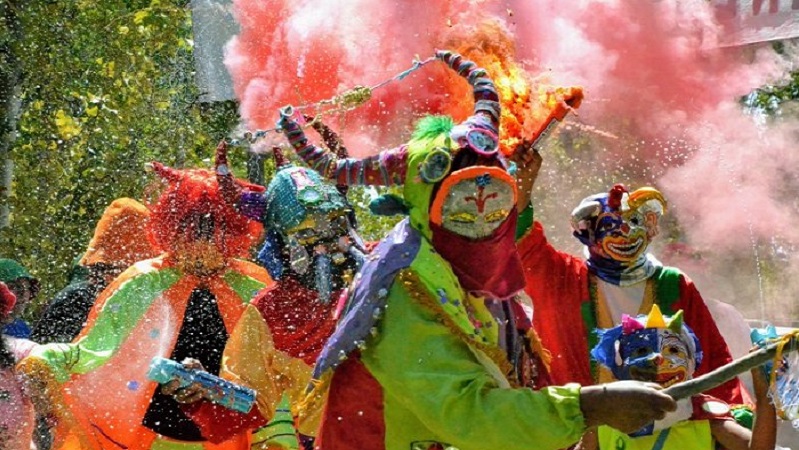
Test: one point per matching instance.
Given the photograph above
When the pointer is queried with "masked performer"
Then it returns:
(431, 352)
(182, 304)
(620, 276)
(116, 245)
(313, 252)
(663, 350)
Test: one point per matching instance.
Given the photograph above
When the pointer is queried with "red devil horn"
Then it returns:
(280, 159)
(166, 173)
(615, 195)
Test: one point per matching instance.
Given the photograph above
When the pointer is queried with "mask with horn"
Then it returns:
(653, 348)
(617, 228)
(195, 225)
(310, 233)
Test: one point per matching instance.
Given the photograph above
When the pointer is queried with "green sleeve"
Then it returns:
(525, 221)
(120, 313)
(430, 371)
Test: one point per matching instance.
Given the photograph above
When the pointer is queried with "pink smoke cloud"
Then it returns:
(661, 104)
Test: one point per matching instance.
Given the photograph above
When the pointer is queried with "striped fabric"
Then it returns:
(386, 168)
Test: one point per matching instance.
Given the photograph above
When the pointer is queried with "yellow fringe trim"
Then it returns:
(316, 394)
(538, 347)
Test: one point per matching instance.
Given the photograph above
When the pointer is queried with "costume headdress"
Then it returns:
(192, 205)
(118, 235)
(618, 200)
(467, 154)
(617, 227)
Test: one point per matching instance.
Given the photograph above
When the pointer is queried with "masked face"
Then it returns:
(657, 355)
(621, 236)
(476, 204)
(195, 250)
(321, 252)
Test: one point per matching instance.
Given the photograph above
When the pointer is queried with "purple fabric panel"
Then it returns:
(253, 205)
(370, 294)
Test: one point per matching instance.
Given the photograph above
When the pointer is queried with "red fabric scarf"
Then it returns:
(489, 266)
(299, 323)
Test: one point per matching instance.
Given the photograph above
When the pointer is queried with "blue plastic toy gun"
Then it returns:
(222, 392)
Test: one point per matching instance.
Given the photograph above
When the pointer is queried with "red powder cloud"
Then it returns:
(661, 95)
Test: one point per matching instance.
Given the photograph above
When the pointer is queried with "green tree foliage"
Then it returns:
(106, 87)
(771, 99)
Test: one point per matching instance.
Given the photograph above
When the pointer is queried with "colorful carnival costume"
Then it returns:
(312, 252)
(663, 350)
(116, 245)
(182, 304)
(619, 276)
(435, 335)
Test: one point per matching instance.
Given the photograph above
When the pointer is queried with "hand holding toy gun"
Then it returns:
(219, 390)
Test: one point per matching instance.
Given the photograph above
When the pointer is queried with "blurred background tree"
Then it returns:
(100, 89)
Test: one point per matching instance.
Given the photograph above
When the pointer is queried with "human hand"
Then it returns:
(624, 405)
(528, 163)
(188, 394)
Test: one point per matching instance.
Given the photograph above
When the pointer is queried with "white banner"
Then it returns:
(750, 21)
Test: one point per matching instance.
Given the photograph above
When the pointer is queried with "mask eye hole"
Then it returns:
(497, 216)
(463, 217)
(640, 352)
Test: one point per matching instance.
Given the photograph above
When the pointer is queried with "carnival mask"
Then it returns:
(649, 348)
(619, 225)
(474, 202)
(195, 250)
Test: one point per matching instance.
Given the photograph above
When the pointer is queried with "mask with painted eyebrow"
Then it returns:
(475, 207)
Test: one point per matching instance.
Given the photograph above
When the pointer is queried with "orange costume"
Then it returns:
(184, 303)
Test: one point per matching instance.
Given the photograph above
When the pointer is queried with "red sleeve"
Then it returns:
(714, 348)
(558, 285)
(218, 424)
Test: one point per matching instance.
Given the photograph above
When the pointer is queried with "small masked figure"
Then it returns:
(619, 276)
(182, 304)
(663, 350)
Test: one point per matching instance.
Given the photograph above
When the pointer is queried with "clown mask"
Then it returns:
(649, 348)
(619, 225)
(474, 202)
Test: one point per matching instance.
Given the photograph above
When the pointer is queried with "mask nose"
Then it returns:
(657, 359)
(625, 228)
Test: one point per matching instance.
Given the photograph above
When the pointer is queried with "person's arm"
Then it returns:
(589, 441)
(387, 168)
(432, 372)
(733, 436)
(117, 312)
(528, 163)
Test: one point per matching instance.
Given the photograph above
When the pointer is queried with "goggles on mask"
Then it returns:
(481, 141)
